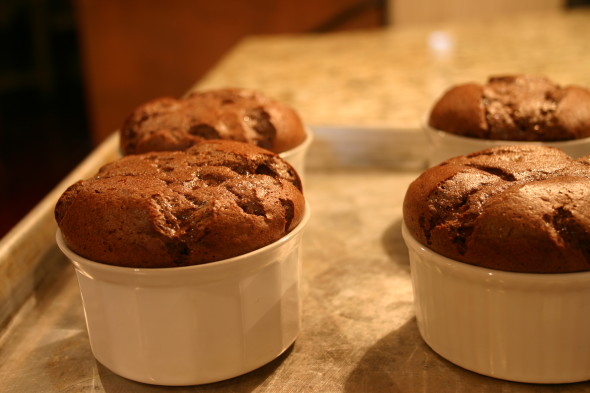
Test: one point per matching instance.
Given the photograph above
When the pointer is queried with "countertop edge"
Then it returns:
(22, 249)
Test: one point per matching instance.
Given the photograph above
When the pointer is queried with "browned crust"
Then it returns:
(522, 209)
(234, 114)
(514, 107)
(216, 200)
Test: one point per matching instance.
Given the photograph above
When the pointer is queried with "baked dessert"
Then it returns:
(236, 114)
(216, 200)
(516, 108)
(512, 208)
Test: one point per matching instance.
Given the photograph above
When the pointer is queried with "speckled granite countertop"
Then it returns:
(389, 78)
(359, 333)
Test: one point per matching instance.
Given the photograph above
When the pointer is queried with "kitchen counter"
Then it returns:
(390, 77)
(364, 93)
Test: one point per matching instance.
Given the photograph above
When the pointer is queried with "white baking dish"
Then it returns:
(514, 326)
(196, 324)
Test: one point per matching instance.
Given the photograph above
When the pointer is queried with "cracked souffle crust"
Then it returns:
(514, 107)
(235, 114)
(216, 200)
(512, 208)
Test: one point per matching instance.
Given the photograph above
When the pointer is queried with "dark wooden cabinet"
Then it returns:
(136, 50)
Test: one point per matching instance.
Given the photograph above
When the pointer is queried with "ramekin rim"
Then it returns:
(300, 148)
(474, 270)
(449, 135)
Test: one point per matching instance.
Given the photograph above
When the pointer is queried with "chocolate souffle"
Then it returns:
(512, 208)
(216, 200)
(516, 108)
(237, 114)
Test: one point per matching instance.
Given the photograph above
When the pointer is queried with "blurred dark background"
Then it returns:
(71, 70)
(44, 128)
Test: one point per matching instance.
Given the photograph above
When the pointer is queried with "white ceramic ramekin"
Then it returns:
(197, 324)
(514, 326)
(444, 145)
(296, 156)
